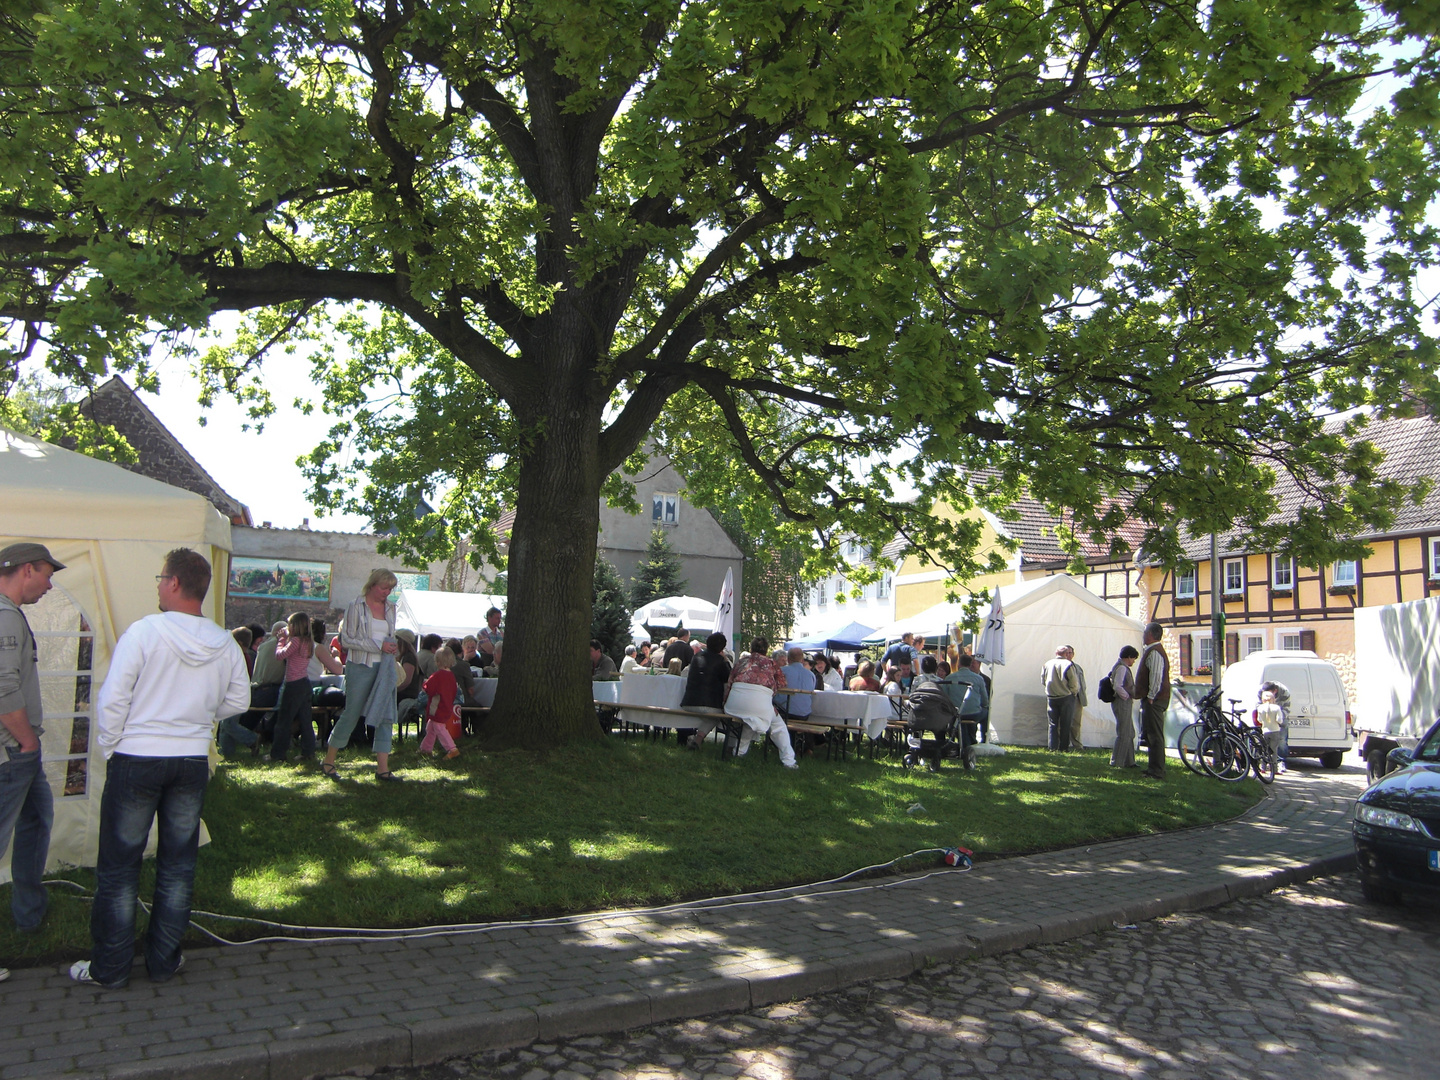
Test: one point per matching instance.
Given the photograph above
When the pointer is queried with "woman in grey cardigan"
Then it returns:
(368, 637)
(1123, 756)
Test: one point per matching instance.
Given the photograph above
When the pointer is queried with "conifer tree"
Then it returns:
(658, 573)
(610, 620)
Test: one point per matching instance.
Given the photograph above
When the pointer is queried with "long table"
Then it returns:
(871, 711)
(664, 691)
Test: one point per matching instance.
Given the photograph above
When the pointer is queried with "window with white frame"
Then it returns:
(821, 597)
(882, 587)
(1343, 573)
(1204, 651)
(1435, 558)
(665, 508)
(1288, 639)
(1282, 572)
(1234, 576)
(1251, 643)
(1185, 583)
(840, 587)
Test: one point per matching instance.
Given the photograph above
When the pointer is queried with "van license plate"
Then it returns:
(1434, 859)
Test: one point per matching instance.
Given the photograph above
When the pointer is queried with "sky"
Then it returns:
(258, 469)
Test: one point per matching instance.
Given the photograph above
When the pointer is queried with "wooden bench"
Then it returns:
(809, 729)
(726, 724)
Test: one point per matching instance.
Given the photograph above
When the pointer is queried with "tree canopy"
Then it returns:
(1124, 253)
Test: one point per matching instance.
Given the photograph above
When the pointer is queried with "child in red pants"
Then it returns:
(442, 689)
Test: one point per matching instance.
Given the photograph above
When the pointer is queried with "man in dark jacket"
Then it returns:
(705, 685)
(929, 709)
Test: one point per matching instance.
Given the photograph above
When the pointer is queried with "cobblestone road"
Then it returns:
(1308, 982)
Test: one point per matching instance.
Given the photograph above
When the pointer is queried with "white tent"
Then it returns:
(1039, 616)
(449, 614)
(111, 528)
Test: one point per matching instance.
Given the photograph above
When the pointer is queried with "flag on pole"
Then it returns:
(725, 613)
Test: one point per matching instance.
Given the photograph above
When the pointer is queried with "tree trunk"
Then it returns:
(544, 697)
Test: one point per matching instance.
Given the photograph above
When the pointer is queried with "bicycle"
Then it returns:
(1236, 750)
(1212, 719)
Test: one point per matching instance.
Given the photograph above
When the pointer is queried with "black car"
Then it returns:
(1397, 825)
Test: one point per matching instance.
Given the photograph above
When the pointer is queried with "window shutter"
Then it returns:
(1232, 648)
(1185, 655)
(1307, 640)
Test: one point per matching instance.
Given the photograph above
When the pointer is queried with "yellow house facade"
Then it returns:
(1269, 602)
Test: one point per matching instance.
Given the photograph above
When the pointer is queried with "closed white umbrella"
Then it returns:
(725, 610)
(990, 649)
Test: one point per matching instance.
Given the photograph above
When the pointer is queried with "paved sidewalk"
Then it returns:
(288, 1011)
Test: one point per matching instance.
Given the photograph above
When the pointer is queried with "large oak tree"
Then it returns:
(1125, 252)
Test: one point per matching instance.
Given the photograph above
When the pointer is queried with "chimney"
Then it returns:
(305, 523)
(265, 524)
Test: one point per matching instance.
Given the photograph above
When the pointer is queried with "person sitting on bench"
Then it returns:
(705, 686)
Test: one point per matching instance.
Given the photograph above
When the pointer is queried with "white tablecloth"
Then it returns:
(663, 690)
(607, 692)
(874, 711)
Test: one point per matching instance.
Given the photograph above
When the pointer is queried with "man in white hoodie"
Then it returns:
(173, 676)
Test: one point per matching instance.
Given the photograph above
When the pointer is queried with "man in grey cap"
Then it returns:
(26, 807)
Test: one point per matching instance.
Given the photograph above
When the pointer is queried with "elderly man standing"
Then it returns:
(172, 676)
(27, 808)
(1062, 694)
(1152, 690)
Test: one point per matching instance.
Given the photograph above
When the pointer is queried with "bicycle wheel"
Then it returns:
(1262, 757)
(1188, 743)
(1224, 756)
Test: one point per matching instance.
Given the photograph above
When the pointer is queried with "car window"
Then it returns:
(1429, 748)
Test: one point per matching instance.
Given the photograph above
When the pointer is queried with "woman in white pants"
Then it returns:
(752, 700)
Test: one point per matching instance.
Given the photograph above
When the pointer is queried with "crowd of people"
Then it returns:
(381, 673)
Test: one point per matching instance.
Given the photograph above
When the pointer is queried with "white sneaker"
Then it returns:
(80, 972)
(4, 974)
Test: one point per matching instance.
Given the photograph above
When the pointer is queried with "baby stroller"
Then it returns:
(928, 709)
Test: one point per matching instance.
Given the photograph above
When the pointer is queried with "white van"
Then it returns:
(1319, 716)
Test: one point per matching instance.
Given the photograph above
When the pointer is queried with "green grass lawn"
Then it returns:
(619, 823)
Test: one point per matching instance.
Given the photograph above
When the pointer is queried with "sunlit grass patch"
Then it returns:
(623, 822)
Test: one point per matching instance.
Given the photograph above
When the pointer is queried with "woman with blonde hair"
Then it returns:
(368, 637)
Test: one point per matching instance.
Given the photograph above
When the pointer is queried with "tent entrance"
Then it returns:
(66, 643)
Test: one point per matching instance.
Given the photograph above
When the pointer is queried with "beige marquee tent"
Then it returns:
(111, 528)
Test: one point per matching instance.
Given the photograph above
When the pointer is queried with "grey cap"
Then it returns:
(27, 551)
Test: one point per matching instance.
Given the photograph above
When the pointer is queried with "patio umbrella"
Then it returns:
(671, 612)
(990, 649)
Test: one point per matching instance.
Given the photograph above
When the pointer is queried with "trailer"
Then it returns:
(1397, 677)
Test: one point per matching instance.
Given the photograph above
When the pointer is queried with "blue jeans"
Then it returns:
(232, 731)
(27, 809)
(137, 791)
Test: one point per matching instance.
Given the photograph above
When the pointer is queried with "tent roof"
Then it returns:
(449, 614)
(847, 638)
(47, 491)
(936, 621)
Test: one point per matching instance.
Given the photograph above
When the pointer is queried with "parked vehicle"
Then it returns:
(1397, 678)
(1318, 717)
(1397, 825)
